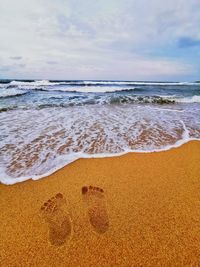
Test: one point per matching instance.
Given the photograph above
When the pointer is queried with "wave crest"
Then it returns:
(11, 92)
(193, 99)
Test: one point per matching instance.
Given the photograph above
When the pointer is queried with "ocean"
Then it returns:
(45, 125)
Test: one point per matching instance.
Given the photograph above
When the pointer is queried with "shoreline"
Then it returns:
(11, 181)
(152, 202)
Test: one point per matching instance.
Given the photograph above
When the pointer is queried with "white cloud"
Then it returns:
(95, 39)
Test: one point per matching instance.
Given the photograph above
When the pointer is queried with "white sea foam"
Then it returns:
(66, 160)
(35, 143)
(134, 83)
(193, 99)
(8, 92)
(91, 89)
(68, 86)
(33, 83)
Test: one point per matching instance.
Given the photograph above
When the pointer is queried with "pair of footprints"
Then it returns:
(59, 221)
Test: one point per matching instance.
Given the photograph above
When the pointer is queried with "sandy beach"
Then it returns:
(142, 210)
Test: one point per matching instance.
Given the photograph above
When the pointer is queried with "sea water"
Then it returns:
(45, 125)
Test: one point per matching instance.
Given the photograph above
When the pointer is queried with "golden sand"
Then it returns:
(148, 214)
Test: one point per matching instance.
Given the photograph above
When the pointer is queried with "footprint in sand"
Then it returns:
(96, 206)
(59, 221)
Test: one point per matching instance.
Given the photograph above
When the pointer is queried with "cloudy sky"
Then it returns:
(101, 39)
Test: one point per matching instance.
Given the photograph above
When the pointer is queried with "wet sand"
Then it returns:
(141, 210)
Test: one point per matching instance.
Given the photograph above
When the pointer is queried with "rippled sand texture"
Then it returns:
(134, 210)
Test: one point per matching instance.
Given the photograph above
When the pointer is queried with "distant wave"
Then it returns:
(49, 86)
(88, 89)
(39, 82)
(89, 83)
(126, 83)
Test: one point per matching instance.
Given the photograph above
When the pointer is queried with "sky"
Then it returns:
(102, 39)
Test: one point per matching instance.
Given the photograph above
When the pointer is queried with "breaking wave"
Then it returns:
(193, 99)
(11, 92)
(90, 83)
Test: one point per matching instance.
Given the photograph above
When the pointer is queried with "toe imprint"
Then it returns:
(54, 213)
(96, 207)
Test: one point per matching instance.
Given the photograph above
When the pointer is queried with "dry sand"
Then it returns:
(148, 214)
